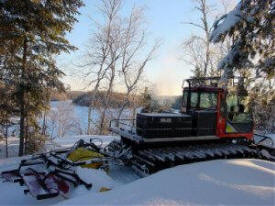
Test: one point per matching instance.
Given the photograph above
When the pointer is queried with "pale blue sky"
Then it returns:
(164, 19)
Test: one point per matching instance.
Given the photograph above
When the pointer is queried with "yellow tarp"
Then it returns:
(82, 154)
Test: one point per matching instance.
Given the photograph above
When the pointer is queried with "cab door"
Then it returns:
(233, 119)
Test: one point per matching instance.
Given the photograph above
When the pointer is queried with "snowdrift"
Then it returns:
(219, 182)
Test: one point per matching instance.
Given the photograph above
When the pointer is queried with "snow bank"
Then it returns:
(98, 178)
(220, 182)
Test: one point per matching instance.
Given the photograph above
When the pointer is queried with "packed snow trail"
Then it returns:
(218, 182)
(122, 174)
(226, 182)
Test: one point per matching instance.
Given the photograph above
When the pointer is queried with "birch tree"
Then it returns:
(197, 48)
(116, 55)
(132, 67)
(199, 52)
(101, 54)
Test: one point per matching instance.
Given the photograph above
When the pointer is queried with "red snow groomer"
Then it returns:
(213, 124)
(215, 111)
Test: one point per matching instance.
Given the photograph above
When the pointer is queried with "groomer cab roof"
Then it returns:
(203, 84)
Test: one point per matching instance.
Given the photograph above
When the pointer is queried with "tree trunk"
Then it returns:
(44, 124)
(107, 101)
(28, 143)
(207, 37)
(22, 103)
(121, 110)
(90, 107)
(22, 127)
(89, 118)
(6, 137)
(101, 126)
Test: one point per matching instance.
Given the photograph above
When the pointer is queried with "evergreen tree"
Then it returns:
(32, 33)
(252, 27)
(251, 24)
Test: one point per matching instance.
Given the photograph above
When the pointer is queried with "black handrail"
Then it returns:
(122, 121)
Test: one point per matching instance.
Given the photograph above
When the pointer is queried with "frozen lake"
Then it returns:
(74, 118)
(80, 113)
(64, 120)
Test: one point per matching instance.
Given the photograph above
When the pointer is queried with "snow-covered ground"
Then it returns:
(219, 182)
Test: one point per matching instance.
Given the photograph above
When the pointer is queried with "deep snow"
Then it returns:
(218, 182)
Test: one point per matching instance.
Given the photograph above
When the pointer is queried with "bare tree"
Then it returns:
(115, 54)
(199, 52)
(197, 47)
(132, 68)
(101, 54)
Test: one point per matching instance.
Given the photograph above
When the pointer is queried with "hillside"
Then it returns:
(61, 96)
(86, 98)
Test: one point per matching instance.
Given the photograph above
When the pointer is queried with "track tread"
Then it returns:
(151, 160)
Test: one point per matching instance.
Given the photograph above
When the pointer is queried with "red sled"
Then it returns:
(44, 186)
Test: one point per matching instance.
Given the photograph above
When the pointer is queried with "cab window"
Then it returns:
(194, 99)
(208, 100)
(185, 96)
(236, 110)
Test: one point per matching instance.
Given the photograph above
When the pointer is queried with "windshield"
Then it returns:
(200, 100)
(193, 99)
(208, 100)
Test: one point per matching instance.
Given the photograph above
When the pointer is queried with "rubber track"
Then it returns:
(148, 161)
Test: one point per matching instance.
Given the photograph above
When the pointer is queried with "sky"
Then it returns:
(165, 21)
